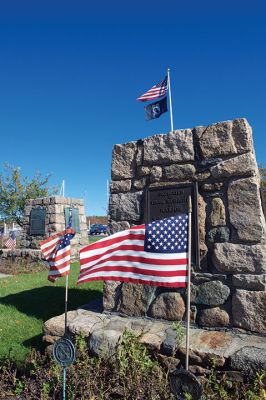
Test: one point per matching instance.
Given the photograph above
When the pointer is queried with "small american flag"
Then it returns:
(156, 91)
(56, 251)
(11, 241)
(153, 254)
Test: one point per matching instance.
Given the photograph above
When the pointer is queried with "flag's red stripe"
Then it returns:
(48, 250)
(110, 251)
(143, 282)
(105, 243)
(62, 233)
(60, 256)
(52, 278)
(59, 266)
(141, 260)
(136, 270)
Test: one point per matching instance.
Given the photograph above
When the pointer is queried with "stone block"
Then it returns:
(117, 226)
(249, 360)
(219, 234)
(103, 342)
(232, 258)
(213, 317)
(140, 184)
(243, 165)
(213, 293)
(225, 138)
(156, 174)
(139, 155)
(111, 294)
(249, 310)
(212, 187)
(135, 298)
(169, 306)
(126, 206)
(202, 231)
(120, 186)
(217, 217)
(124, 161)
(180, 172)
(144, 170)
(245, 209)
(249, 282)
(56, 326)
(175, 146)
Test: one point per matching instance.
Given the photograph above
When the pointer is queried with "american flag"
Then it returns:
(11, 241)
(56, 250)
(156, 91)
(153, 254)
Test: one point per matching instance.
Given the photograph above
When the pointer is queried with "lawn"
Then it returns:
(27, 300)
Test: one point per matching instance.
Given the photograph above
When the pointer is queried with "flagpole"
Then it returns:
(170, 99)
(188, 281)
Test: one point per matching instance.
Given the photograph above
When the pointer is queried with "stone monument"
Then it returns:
(218, 164)
(49, 215)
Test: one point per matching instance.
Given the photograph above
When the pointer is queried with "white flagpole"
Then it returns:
(188, 280)
(170, 99)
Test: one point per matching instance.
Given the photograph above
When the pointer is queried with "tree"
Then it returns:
(16, 189)
(262, 170)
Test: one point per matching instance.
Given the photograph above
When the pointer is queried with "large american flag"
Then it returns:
(156, 91)
(56, 250)
(152, 254)
(11, 241)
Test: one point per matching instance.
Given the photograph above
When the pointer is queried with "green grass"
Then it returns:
(27, 300)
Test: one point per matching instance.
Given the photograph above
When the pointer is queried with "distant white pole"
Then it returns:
(188, 281)
(63, 188)
(170, 99)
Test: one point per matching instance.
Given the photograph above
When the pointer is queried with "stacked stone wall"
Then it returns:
(54, 221)
(228, 288)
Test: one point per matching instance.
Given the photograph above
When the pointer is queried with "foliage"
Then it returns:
(16, 189)
(90, 377)
(130, 374)
(262, 170)
(179, 330)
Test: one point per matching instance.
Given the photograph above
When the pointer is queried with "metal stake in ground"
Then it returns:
(188, 280)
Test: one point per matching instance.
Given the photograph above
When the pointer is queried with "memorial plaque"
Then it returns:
(166, 201)
(37, 221)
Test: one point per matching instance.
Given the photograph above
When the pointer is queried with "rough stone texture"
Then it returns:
(249, 360)
(173, 147)
(124, 160)
(211, 187)
(135, 298)
(144, 171)
(212, 293)
(249, 310)
(155, 174)
(199, 278)
(103, 332)
(140, 184)
(111, 293)
(218, 212)
(179, 172)
(120, 186)
(118, 226)
(169, 306)
(213, 317)
(125, 206)
(202, 231)
(219, 234)
(232, 258)
(224, 138)
(249, 282)
(245, 209)
(244, 164)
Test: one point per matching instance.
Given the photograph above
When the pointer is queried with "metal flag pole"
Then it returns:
(170, 99)
(188, 280)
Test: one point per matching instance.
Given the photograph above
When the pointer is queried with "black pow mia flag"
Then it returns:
(155, 110)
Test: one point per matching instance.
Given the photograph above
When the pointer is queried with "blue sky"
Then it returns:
(70, 73)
